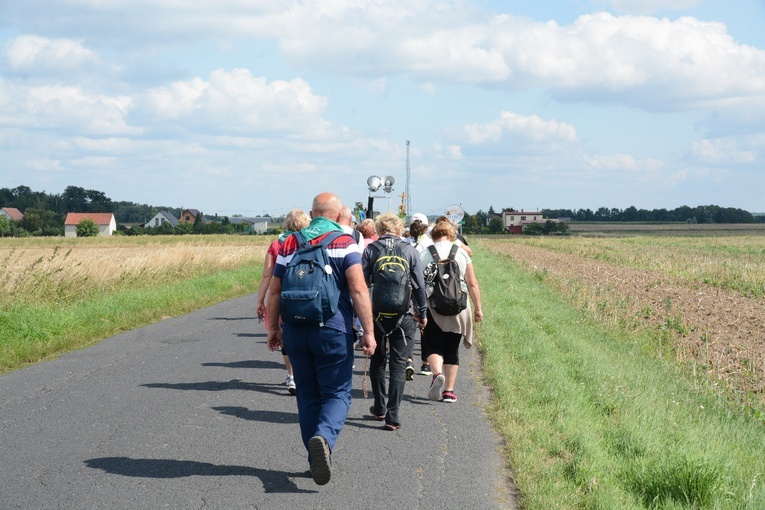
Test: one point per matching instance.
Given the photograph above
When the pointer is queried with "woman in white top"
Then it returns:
(442, 336)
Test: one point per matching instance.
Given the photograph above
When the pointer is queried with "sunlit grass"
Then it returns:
(57, 295)
(591, 420)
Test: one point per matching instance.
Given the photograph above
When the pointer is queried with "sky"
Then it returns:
(253, 107)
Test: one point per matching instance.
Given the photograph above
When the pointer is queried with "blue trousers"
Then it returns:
(322, 362)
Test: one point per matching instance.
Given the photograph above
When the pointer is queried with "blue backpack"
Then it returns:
(309, 289)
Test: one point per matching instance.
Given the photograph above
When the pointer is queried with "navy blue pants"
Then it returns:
(322, 362)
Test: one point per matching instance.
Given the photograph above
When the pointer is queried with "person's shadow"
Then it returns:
(273, 481)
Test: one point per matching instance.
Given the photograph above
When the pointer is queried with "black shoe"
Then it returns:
(321, 469)
(425, 369)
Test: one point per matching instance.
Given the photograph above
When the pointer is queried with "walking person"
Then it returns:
(392, 269)
(443, 333)
(346, 221)
(295, 220)
(322, 354)
(420, 240)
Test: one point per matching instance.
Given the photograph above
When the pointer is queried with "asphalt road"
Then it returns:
(192, 413)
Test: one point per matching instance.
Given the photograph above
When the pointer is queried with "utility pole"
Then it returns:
(408, 194)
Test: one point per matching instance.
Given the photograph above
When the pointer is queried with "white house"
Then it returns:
(105, 221)
(515, 220)
(160, 218)
(257, 225)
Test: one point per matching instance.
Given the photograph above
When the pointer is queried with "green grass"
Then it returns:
(33, 332)
(592, 421)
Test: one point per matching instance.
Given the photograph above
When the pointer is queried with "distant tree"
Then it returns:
(5, 227)
(491, 211)
(36, 220)
(97, 201)
(86, 228)
(603, 214)
(481, 222)
(184, 228)
(533, 229)
(469, 223)
(496, 226)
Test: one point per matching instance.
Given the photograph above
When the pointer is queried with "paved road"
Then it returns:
(192, 413)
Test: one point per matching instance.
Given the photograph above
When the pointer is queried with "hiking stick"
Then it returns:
(364, 389)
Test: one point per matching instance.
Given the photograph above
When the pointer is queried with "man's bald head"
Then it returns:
(327, 205)
(346, 216)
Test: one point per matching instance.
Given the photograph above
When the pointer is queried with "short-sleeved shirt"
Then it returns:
(273, 249)
(343, 253)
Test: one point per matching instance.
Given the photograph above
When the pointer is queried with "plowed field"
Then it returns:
(710, 324)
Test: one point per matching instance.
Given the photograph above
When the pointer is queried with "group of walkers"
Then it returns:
(391, 290)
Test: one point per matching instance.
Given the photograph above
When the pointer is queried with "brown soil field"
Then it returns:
(665, 229)
(714, 331)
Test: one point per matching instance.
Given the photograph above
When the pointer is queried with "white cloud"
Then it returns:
(729, 150)
(514, 125)
(623, 162)
(39, 55)
(233, 101)
(61, 106)
(643, 61)
(648, 6)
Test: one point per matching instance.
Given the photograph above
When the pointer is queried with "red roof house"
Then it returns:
(105, 221)
(11, 213)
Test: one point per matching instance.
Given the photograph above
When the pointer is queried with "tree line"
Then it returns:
(45, 213)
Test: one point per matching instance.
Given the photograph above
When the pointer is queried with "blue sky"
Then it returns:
(255, 106)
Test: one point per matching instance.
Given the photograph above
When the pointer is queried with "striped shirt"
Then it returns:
(343, 253)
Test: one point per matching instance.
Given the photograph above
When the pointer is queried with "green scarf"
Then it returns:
(319, 226)
(285, 235)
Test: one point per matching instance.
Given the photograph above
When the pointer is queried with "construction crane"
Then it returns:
(402, 207)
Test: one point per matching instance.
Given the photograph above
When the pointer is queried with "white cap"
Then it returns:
(421, 217)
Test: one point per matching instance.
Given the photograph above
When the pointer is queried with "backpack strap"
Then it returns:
(453, 252)
(330, 237)
(434, 252)
(324, 242)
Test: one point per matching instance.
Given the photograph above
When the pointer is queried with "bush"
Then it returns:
(87, 228)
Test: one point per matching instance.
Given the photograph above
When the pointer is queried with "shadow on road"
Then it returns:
(251, 363)
(233, 384)
(256, 415)
(273, 481)
(233, 318)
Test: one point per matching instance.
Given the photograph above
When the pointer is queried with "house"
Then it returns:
(190, 216)
(515, 220)
(257, 225)
(160, 218)
(11, 213)
(105, 221)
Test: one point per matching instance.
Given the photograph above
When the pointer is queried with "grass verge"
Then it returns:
(591, 421)
(32, 332)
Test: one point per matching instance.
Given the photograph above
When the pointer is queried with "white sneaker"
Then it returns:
(290, 384)
(436, 387)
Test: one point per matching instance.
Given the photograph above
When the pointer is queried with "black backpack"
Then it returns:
(309, 289)
(447, 298)
(391, 280)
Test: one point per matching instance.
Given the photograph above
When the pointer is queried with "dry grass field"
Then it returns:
(702, 297)
(59, 270)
